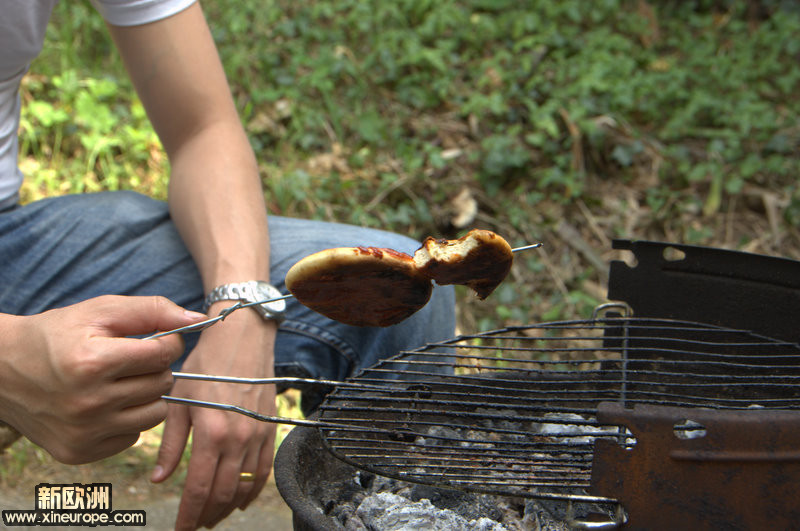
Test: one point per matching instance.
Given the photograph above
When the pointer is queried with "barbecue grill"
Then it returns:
(682, 414)
(529, 406)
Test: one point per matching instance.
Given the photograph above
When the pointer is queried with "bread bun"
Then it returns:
(480, 260)
(360, 286)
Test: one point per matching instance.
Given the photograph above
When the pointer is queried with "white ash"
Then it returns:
(375, 503)
(559, 431)
(390, 512)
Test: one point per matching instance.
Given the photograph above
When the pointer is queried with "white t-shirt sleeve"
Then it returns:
(134, 12)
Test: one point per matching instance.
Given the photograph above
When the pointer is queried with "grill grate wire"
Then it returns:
(516, 412)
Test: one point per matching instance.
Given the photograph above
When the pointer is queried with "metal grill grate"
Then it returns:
(518, 415)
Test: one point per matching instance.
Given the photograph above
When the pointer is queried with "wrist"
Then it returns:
(254, 293)
(244, 318)
(241, 345)
(19, 341)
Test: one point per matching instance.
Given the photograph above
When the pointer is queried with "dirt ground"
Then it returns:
(24, 465)
(268, 512)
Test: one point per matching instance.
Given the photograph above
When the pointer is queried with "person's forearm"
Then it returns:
(216, 201)
(215, 192)
(11, 338)
(218, 207)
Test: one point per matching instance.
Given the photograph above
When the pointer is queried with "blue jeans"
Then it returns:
(63, 250)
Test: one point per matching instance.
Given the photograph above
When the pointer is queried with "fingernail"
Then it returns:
(158, 471)
(194, 315)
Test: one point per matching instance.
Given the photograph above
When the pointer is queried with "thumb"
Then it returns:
(128, 316)
(173, 442)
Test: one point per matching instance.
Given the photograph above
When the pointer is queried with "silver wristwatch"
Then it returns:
(248, 292)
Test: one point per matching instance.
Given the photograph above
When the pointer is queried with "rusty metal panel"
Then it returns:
(708, 285)
(744, 473)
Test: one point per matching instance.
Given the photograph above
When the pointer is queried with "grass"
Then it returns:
(562, 122)
(571, 123)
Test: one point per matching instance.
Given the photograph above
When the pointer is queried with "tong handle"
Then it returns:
(286, 380)
(267, 381)
(246, 412)
(202, 325)
(257, 381)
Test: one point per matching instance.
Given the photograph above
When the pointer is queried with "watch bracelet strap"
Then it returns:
(235, 291)
(248, 292)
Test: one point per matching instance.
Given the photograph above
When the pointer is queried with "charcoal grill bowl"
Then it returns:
(301, 465)
(308, 475)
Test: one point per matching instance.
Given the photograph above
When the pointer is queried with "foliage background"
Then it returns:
(566, 122)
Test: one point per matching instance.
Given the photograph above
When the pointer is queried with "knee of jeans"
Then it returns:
(401, 242)
(441, 310)
(128, 205)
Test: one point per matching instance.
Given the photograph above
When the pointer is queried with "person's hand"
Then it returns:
(73, 382)
(224, 444)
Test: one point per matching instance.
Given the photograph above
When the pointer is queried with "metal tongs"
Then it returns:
(202, 325)
(268, 381)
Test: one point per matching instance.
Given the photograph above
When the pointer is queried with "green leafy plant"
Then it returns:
(656, 118)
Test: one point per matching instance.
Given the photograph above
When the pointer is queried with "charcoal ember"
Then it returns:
(373, 502)
(330, 494)
(340, 499)
(551, 515)
(560, 430)
(342, 512)
(486, 524)
(384, 484)
(385, 511)
(496, 422)
(536, 516)
(364, 479)
(438, 436)
(470, 506)
(354, 523)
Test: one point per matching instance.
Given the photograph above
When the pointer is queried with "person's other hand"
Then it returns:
(75, 383)
(224, 444)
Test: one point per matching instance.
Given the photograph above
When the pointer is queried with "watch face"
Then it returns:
(264, 291)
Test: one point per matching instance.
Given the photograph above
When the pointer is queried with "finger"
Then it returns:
(220, 502)
(210, 436)
(100, 418)
(257, 449)
(128, 316)
(131, 357)
(200, 479)
(250, 465)
(258, 463)
(139, 418)
(263, 471)
(173, 442)
(134, 391)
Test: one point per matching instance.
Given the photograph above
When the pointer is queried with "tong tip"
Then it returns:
(526, 247)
